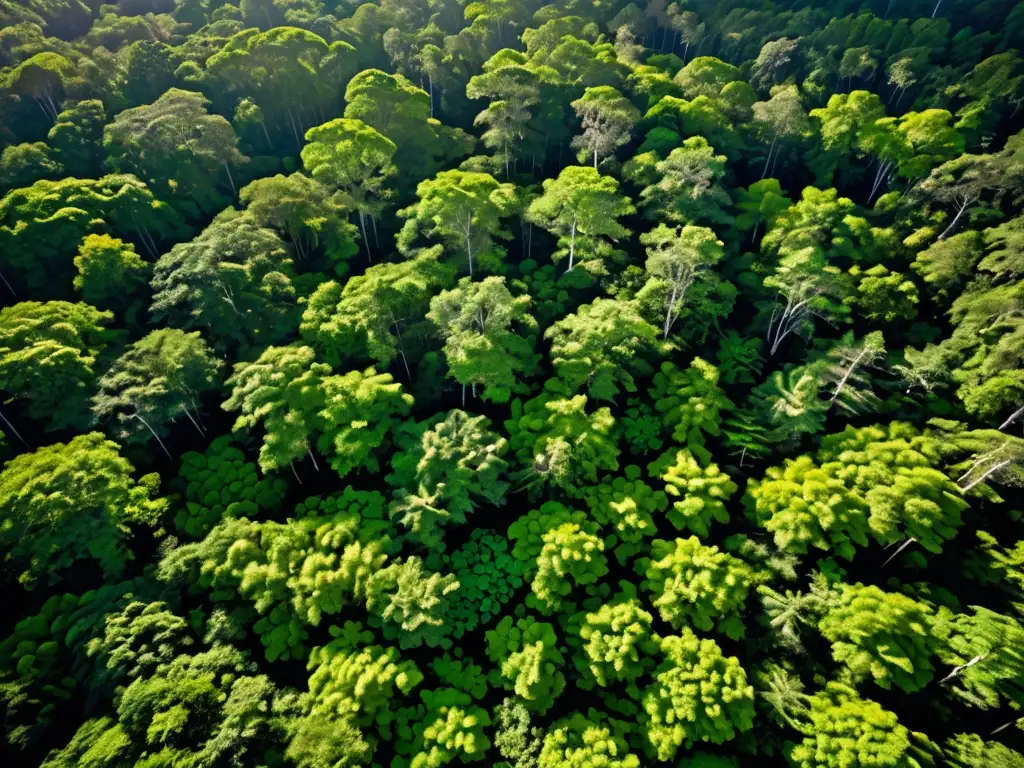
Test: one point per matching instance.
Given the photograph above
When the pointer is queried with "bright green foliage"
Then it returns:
(178, 143)
(696, 585)
(355, 158)
(946, 265)
(488, 577)
(220, 483)
(233, 281)
(598, 347)
(968, 750)
(580, 742)
(617, 642)
(529, 660)
(677, 258)
(42, 226)
(306, 213)
(895, 470)
(698, 695)
(412, 603)
(320, 741)
(464, 211)
(986, 650)
(364, 317)
(684, 188)
(283, 391)
(846, 731)
(878, 481)
(352, 679)
(44, 662)
(73, 501)
(804, 506)
(692, 403)
(295, 399)
(198, 709)
(456, 462)
(569, 556)
(760, 206)
(453, 728)
(527, 533)
(361, 408)
(109, 271)
(463, 675)
(700, 493)
(475, 320)
(883, 635)
(515, 738)
(50, 354)
(628, 507)
(158, 379)
(582, 209)
(560, 443)
(292, 573)
(139, 639)
(401, 112)
(706, 76)
(607, 119)
(884, 296)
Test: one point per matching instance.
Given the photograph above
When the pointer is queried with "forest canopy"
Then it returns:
(415, 383)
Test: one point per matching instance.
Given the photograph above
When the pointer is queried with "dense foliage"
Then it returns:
(528, 384)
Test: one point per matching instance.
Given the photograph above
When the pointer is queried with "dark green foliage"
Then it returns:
(769, 251)
(220, 483)
(488, 576)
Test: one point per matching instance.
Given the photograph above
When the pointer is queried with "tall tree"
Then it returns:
(475, 320)
(464, 210)
(679, 257)
(51, 355)
(175, 142)
(582, 208)
(160, 377)
(357, 159)
(607, 119)
(70, 502)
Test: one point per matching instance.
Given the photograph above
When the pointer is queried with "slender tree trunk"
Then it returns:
(312, 458)
(366, 240)
(595, 158)
(292, 465)
(572, 243)
(985, 475)
(846, 375)
(194, 422)
(936, 8)
(430, 84)
(154, 434)
(764, 171)
(270, 144)
(668, 314)
(1013, 417)
(952, 224)
(373, 224)
(9, 288)
(903, 546)
(401, 349)
(14, 431)
(231, 180)
(295, 132)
